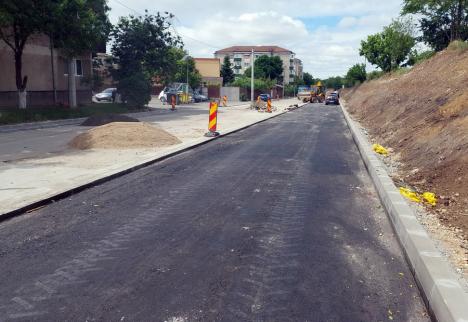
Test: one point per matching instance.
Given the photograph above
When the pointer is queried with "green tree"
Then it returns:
(260, 84)
(298, 81)
(267, 67)
(391, 47)
(441, 21)
(334, 82)
(144, 47)
(356, 74)
(308, 79)
(78, 28)
(417, 57)
(75, 25)
(194, 77)
(226, 71)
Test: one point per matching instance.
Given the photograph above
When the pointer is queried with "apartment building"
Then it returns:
(298, 68)
(210, 70)
(240, 57)
(37, 65)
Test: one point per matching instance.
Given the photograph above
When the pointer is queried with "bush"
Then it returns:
(135, 90)
(417, 58)
(458, 45)
(356, 75)
(375, 74)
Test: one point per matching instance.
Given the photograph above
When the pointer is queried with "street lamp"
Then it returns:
(185, 58)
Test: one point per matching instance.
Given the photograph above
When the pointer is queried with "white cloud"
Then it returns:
(325, 51)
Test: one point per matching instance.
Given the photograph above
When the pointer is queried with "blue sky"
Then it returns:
(324, 34)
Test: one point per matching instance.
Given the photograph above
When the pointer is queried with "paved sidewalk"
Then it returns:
(37, 164)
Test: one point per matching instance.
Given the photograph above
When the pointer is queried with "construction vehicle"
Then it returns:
(303, 92)
(314, 94)
(317, 93)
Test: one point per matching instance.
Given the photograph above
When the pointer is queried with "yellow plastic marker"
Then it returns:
(430, 198)
(410, 194)
(379, 149)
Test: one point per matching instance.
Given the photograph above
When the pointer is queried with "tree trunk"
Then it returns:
(71, 83)
(459, 19)
(20, 81)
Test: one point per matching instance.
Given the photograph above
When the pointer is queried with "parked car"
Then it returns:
(332, 98)
(197, 97)
(105, 95)
(264, 97)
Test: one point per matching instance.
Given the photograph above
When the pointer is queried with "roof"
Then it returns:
(213, 59)
(268, 49)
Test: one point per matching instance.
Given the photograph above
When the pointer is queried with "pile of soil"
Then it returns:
(102, 119)
(423, 116)
(121, 135)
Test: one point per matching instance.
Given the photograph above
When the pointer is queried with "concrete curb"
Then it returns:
(443, 294)
(181, 149)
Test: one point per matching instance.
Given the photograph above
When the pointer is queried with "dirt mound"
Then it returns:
(120, 135)
(423, 116)
(102, 119)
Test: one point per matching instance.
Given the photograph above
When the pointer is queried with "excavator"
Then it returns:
(315, 95)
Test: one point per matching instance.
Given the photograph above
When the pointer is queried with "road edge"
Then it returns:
(443, 294)
(68, 192)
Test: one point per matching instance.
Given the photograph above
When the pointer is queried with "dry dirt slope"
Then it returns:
(423, 116)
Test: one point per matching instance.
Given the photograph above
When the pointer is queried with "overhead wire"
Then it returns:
(181, 35)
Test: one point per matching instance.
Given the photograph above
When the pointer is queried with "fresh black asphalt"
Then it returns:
(278, 222)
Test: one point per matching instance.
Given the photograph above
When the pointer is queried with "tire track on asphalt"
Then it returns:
(273, 270)
(27, 299)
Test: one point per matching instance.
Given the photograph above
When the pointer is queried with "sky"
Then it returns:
(325, 35)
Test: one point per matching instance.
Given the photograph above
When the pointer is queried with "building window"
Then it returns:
(79, 68)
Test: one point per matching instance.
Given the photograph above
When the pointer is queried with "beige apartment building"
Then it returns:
(240, 57)
(210, 70)
(37, 65)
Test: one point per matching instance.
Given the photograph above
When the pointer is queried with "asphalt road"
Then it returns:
(24, 141)
(278, 222)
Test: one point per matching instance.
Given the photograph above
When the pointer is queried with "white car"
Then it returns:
(105, 95)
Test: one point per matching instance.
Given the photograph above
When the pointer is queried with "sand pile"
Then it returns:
(121, 135)
(423, 116)
(101, 119)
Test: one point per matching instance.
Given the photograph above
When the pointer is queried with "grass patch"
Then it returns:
(376, 74)
(400, 71)
(15, 115)
(458, 45)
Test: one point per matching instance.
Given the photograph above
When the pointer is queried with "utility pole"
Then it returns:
(186, 59)
(51, 45)
(252, 79)
(71, 83)
(186, 96)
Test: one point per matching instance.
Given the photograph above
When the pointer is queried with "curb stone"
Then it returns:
(100, 180)
(443, 294)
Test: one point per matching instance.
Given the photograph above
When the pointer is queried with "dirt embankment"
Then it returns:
(423, 116)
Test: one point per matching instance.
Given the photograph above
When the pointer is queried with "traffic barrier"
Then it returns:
(173, 102)
(269, 106)
(225, 100)
(213, 120)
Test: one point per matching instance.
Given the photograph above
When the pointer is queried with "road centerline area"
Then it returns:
(278, 222)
